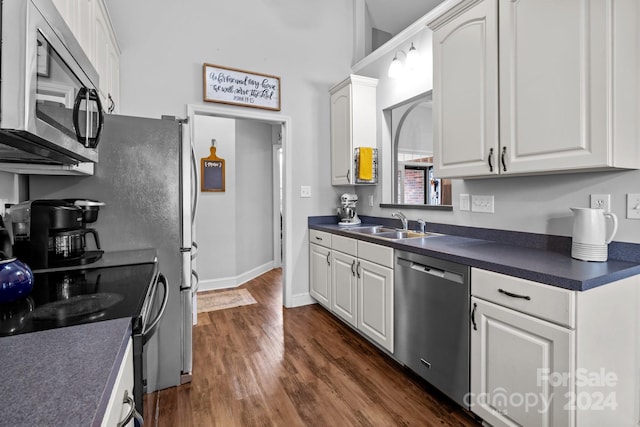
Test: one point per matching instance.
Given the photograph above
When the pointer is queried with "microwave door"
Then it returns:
(42, 83)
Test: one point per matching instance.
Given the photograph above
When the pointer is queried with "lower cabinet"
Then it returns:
(375, 302)
(545, 356)
(354, 280)
(320, 274)
(121, 402)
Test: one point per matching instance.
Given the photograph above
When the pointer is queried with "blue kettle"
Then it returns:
(16, 279)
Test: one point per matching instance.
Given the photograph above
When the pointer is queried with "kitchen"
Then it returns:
(154, 83)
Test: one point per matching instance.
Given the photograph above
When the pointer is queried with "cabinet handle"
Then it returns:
(425, 363)
(329, 258)
(358, 269)
(353, 268)
(473, 317)
(504, 155)
(490, 157)
(509, 294)
(348, 175)
(133, 414)
(319, 238)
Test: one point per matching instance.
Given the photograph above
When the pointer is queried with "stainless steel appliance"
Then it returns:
(52, 233)
(51, 112)
(431, 321)
(146, 177)
(347, 210)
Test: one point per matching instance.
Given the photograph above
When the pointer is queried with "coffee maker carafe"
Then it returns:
(347, 210)
(53, 233)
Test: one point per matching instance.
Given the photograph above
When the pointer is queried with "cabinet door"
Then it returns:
(117, 410)
(320, 274)
(513, 356)
(375, 302)
(341, 136)
(554, 94)
(465, 93)
(344, 286)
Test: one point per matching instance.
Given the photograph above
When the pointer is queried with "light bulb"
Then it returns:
(413, 58)
(395, 69)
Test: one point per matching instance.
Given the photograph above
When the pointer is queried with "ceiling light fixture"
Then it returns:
(412, 62)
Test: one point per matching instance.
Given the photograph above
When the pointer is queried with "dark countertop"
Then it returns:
(539, 265)
(65, 376)
(61, 376)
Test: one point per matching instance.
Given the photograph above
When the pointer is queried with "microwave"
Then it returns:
(50, 111)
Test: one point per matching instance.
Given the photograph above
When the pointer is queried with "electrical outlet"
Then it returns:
(601, 201)
(371, 201)
(464, 202)
(633, 206)
(305, 191)
(482, 204)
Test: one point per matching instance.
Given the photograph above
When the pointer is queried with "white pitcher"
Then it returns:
(590, 237)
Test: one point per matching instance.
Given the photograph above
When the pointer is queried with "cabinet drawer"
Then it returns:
(321, 238)
(375, 253)
(344, 244)
(543, 301)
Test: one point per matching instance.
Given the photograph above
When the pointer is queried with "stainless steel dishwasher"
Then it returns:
(431, 321)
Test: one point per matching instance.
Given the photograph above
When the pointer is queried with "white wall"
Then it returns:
(216, 217)
(254, 196)
(536, 204)
(308, 44)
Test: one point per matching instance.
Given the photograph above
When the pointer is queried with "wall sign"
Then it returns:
(239, 87)
(212, 172)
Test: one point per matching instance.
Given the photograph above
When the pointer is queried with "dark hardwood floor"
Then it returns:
(264, 365)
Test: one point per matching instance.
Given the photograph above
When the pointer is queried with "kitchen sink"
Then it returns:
(390, 233)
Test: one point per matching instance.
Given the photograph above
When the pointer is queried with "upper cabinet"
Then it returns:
(526, 87)
(90, 23)
(353, 124)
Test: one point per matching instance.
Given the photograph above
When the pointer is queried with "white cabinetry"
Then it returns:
(375, 293)
(320, 267)
(90, 23)
(353, 124)
(525, 87)
(121, 399)
(356, 284)
(545, 356)
(343, 279)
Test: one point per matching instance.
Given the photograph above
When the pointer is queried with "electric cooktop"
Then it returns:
(74, 297)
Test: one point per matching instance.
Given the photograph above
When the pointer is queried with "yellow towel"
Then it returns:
(365, 166)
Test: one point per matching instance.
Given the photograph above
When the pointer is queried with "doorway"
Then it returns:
(281, 126)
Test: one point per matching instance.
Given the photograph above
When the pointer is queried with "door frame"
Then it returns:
(285, 123)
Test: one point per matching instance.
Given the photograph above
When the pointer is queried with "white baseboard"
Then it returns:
(299, 300)
(235, 281)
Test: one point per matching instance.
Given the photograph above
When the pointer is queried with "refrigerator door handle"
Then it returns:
(195, 283)
(194, 185)
(194, 250)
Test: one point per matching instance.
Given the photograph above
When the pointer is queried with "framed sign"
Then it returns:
(239, 87)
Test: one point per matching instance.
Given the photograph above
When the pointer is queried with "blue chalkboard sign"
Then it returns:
(212, 172)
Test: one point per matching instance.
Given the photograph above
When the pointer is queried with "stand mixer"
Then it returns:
(347, 210)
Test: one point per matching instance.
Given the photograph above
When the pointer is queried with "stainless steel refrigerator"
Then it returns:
(147, 177)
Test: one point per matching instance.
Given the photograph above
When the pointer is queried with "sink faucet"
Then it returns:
(402, 218)
(423, 225)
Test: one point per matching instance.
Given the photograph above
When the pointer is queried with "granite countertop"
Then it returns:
(61, 376)
(539, 265)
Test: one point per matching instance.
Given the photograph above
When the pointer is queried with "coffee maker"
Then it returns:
(53, 233)
(347, 210)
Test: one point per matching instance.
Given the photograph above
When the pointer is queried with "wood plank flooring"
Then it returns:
(264, 365)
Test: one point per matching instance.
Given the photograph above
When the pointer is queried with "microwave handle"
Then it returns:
(90, 95)
(148, 330)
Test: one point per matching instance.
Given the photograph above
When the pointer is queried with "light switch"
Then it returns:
(464, 202)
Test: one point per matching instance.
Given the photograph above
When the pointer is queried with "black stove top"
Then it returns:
(74, 297)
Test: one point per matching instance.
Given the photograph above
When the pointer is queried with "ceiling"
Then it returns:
(393, 16)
